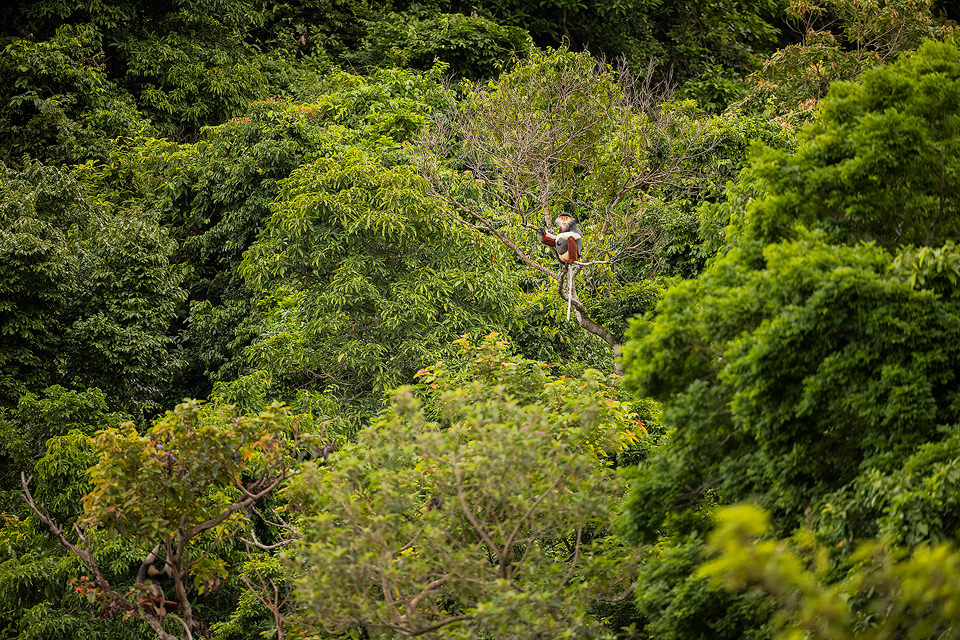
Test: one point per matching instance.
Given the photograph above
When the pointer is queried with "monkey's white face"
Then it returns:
(564, 223)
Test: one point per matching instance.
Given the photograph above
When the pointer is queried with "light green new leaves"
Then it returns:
(479, 511)
(186, 470)
(886, 594)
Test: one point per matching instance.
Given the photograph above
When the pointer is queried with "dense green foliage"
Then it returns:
(89, 291)
(322, 220)
(480, 509)
(879, 164)
(811, 365)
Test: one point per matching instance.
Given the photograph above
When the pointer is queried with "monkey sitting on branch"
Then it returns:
(567, 244)
(568, 231)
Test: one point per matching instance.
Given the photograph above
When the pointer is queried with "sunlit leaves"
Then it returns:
(185, 470)
(886, 593)
(480, 509)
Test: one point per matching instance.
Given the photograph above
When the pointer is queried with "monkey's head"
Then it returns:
(565, 220)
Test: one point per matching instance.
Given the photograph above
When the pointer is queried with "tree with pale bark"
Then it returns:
(564, 132)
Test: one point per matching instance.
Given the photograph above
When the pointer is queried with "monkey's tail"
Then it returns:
(569, 290)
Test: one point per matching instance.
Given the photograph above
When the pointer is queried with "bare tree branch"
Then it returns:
(419, 631)
(578, 136)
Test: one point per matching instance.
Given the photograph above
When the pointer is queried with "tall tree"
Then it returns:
(810, 365)
(480, 509)
(178, 491)
(562, 132)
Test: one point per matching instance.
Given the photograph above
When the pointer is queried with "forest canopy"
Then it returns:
(289, 346)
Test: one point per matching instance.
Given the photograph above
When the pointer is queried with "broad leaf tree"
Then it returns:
(812, 365)
(838, 40)
(364, 279)
(180, 490)
(479, 505)
(89, 292)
